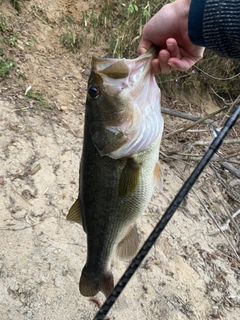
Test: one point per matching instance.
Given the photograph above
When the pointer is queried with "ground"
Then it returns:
(189, 273)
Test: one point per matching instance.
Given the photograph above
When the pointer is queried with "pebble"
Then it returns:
(58, 281)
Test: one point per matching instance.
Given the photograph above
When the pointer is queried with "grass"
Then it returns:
(38, 96)
(16, 5)
(6, 66)
(71, 40)
(7, 39)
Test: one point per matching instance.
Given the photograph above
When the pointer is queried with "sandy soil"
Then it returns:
(187, 275)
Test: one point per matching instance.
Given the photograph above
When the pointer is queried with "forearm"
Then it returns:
(215, 24)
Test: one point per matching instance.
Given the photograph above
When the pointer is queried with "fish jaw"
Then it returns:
(125, 118)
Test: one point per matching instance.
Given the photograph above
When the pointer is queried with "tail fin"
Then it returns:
(90, 284)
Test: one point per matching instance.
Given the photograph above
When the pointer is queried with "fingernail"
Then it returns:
(170, 45)
(164, 58)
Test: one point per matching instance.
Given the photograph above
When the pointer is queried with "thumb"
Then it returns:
(144, 45)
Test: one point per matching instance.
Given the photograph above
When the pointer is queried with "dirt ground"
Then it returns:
(189, 274)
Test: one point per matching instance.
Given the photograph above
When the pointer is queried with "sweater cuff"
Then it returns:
(195, 22)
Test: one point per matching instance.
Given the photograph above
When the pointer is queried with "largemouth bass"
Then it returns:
(119, 164)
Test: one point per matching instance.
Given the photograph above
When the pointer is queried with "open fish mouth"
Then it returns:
(118, 74)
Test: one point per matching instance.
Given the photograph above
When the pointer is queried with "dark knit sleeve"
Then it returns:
(195, 22)
(215, 24)
(221, 27)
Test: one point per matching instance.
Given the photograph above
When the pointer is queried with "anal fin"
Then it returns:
(74, 213)
(128, 246)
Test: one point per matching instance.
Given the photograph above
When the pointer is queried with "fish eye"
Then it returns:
(93, 92)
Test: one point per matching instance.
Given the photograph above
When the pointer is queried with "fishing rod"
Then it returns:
(166, 217)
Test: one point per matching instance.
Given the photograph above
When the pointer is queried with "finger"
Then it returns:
(163, 58)
(181, 64)
(160, 64)
(156, 67)
(144, 45)
(173, 48)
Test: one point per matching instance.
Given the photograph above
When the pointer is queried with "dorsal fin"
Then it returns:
(158, 177)
(74, 213)
(128, 246)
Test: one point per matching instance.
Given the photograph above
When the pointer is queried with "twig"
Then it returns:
(216, 78)
(179, 114)
(189, 126)
(231, 155)
(231, 168)
(224, 184)
(168, 158)
(26, 227)
(225, 226)
(198, 157)
(215, 221)
(230, 109)
(206, 143)
(69, 128)
(21, 196)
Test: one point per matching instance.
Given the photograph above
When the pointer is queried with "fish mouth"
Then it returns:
(118, 74)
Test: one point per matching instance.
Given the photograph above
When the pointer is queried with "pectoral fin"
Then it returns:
(74, 213)
(158, 177)
(128, 246)
(129, 178)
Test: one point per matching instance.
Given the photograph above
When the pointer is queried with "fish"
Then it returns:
(119, 166)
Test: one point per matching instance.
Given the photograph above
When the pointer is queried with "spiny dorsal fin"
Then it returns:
(128, 246)
(118, 70)
(158, 177)
(74, 213)
(129, 178)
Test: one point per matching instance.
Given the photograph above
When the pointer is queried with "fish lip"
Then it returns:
(115, 75)
(99, 64)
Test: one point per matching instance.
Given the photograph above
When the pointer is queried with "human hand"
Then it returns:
(168, 29)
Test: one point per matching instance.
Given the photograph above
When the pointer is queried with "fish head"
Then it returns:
(122, 96)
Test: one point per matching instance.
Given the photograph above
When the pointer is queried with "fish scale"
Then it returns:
(116, 177)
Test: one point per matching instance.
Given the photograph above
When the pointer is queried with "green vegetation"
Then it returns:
(71, 40)
(12, 39)
(38, 96)
(120, 24)
(16, 5)
(3, 24)
(6, 65)
(7, 38)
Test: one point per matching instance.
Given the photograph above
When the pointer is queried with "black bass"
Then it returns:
(119, 165)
